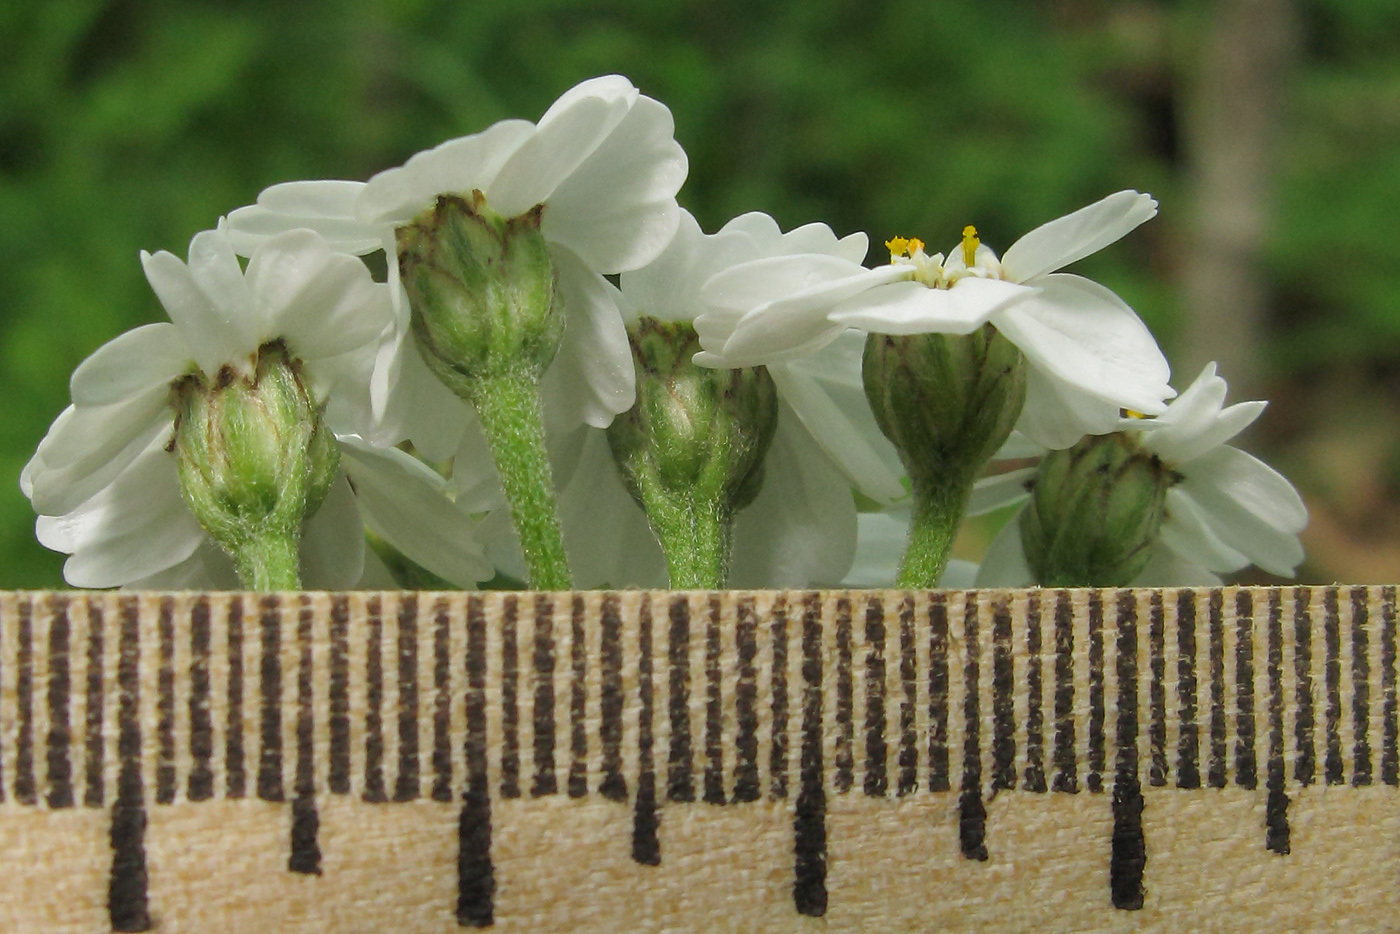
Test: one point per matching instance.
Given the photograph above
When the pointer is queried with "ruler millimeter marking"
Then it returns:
(660, 702)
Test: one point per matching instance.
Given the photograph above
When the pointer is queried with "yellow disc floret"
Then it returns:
(900, 247)
(969, 246)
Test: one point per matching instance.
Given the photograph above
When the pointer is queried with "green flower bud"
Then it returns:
(693, 428)
(946, 401)
(482, 291)
(691, 449)
(255, 460)
(1094, 512)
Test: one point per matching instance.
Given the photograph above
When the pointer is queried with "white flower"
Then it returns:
(1229, 509)
(105, 482)
(801, 528)
(1090, 355)
(602, 160)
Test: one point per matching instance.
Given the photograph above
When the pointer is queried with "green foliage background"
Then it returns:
(132, 124)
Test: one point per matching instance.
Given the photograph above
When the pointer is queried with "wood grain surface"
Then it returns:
(882, 761)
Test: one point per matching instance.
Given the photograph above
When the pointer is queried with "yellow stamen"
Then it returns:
(969, 246)
(1129, 413)
(915, 245)
(898, 246)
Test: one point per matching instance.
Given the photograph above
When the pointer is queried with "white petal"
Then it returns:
(603, 87)
(790, 319)
(1017, 447)
(959, 575)
(333, 542)
(992, 493)
(326, 206)
(914, 308)
(456, 167)
(1198, 406)
(215, 268)
(420, 408)
(1250, 506)
(617, 210)
(880, 543)
(1180, 449)
(1168, 569)
(606, 535)
(342, 384)
(326, 197)
(749, 285)
(1083, 334)
(1253, 485)
(86, 448)
(1197, 422)
(324, 303)
(769, 240)
(1074, 236)
(216, 332)
(497, 534)
(801, 528)
(778, 332)
(376, 575)
(135, 527)
(1057, 414)
(26, 475)
(207, 569)
(148, 485)
(810, 284)
(592, 377)
(139, 360)
(669, 286)
(1189, 533)
(405, 502)
(565, 137)
(825, 393)
(474, 481)
(1004, 564)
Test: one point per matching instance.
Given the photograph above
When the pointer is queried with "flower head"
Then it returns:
(601, 166)
(1090, 355)
(1222, 508)
(245, 358)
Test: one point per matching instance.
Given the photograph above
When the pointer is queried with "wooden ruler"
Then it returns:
(1135, 760)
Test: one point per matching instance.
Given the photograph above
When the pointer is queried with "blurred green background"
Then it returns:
(1269, 130)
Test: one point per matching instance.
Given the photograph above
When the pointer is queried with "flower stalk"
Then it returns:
(485, 313)
(509, 408)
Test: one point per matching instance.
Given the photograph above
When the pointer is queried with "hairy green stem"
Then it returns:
(268, 560)
(696, 535)
(509, 407)
(938, 509)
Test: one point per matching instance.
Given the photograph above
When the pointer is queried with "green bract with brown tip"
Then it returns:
(482, 291)
(255, 462)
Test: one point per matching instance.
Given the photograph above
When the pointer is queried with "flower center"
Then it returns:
(932, 271)
(909, 253)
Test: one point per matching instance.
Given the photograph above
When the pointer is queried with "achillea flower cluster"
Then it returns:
(565, 381)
